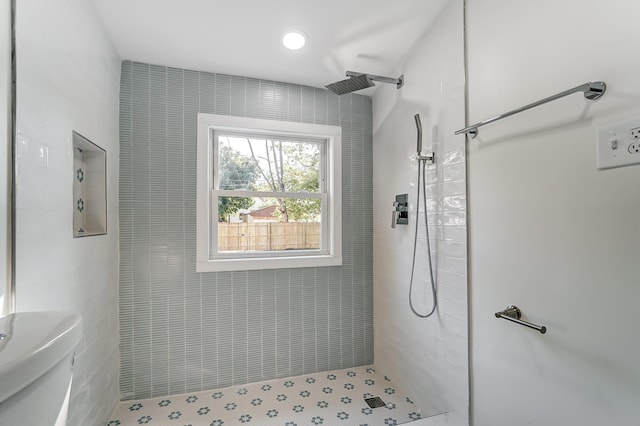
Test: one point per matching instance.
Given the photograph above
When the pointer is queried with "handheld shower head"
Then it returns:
(358, 81)
(429, 158)
(419, 128)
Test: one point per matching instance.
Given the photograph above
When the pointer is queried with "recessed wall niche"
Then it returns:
(89, 188)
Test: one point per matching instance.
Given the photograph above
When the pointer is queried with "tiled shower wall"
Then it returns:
(67, 79)
(183, 331)
(427, 358)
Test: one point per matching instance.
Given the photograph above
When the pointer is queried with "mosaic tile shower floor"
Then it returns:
(327, 398)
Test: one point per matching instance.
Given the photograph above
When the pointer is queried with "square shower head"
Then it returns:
(351, 84)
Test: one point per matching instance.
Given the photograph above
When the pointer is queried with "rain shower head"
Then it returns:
(351, 84)
(358, 81)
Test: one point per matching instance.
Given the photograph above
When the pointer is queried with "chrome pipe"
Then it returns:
(399, 82)
(512, 313)
(592, 92)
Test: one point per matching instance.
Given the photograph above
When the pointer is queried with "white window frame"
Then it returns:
(206, 198)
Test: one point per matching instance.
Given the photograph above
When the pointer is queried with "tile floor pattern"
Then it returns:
(328, 398)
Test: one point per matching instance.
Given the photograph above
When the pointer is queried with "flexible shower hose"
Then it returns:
(422, 174)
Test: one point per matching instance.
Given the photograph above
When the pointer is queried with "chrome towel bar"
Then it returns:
(592, 91)
(513, 313)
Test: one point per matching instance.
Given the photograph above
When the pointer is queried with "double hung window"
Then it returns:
(268, 194)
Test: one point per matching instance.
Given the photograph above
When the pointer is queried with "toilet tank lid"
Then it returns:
(31, 343)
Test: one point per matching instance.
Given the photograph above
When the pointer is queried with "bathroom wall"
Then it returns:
(5, 143)
(427, 358)
(68, 77)
(183, 331)
(548, 231)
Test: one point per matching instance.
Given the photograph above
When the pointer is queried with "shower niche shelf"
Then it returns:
(89, 188)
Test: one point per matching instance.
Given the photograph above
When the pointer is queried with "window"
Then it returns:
(268, 194)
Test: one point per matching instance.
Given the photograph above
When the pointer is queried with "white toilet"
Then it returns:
(36, 360)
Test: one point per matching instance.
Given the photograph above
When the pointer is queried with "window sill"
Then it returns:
(220, 265)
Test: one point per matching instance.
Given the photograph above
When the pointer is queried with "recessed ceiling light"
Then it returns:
(294, 40)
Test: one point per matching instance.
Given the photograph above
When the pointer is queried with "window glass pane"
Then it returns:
(265, 164)
(268, 224)
(236, 169)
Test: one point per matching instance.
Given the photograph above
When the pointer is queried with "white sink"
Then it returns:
(33, 343)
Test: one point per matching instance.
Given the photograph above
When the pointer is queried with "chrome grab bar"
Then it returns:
(592, 91)
(513, 313)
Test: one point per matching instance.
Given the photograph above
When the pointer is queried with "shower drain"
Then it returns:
(375, 402)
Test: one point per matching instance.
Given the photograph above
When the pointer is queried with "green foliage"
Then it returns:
(236, 172)
(292, 167)
(302, 175)
(228, 206)
(303, 210)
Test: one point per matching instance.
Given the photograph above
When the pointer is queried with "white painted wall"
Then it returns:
(427, 358)
(5, 141)
(549, 232)
(68, 79)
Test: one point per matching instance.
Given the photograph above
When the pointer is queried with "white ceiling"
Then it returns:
(242, 37)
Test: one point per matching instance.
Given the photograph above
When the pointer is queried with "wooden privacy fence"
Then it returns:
(268, 236)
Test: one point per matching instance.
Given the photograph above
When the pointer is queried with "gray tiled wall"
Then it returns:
(182, 331)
